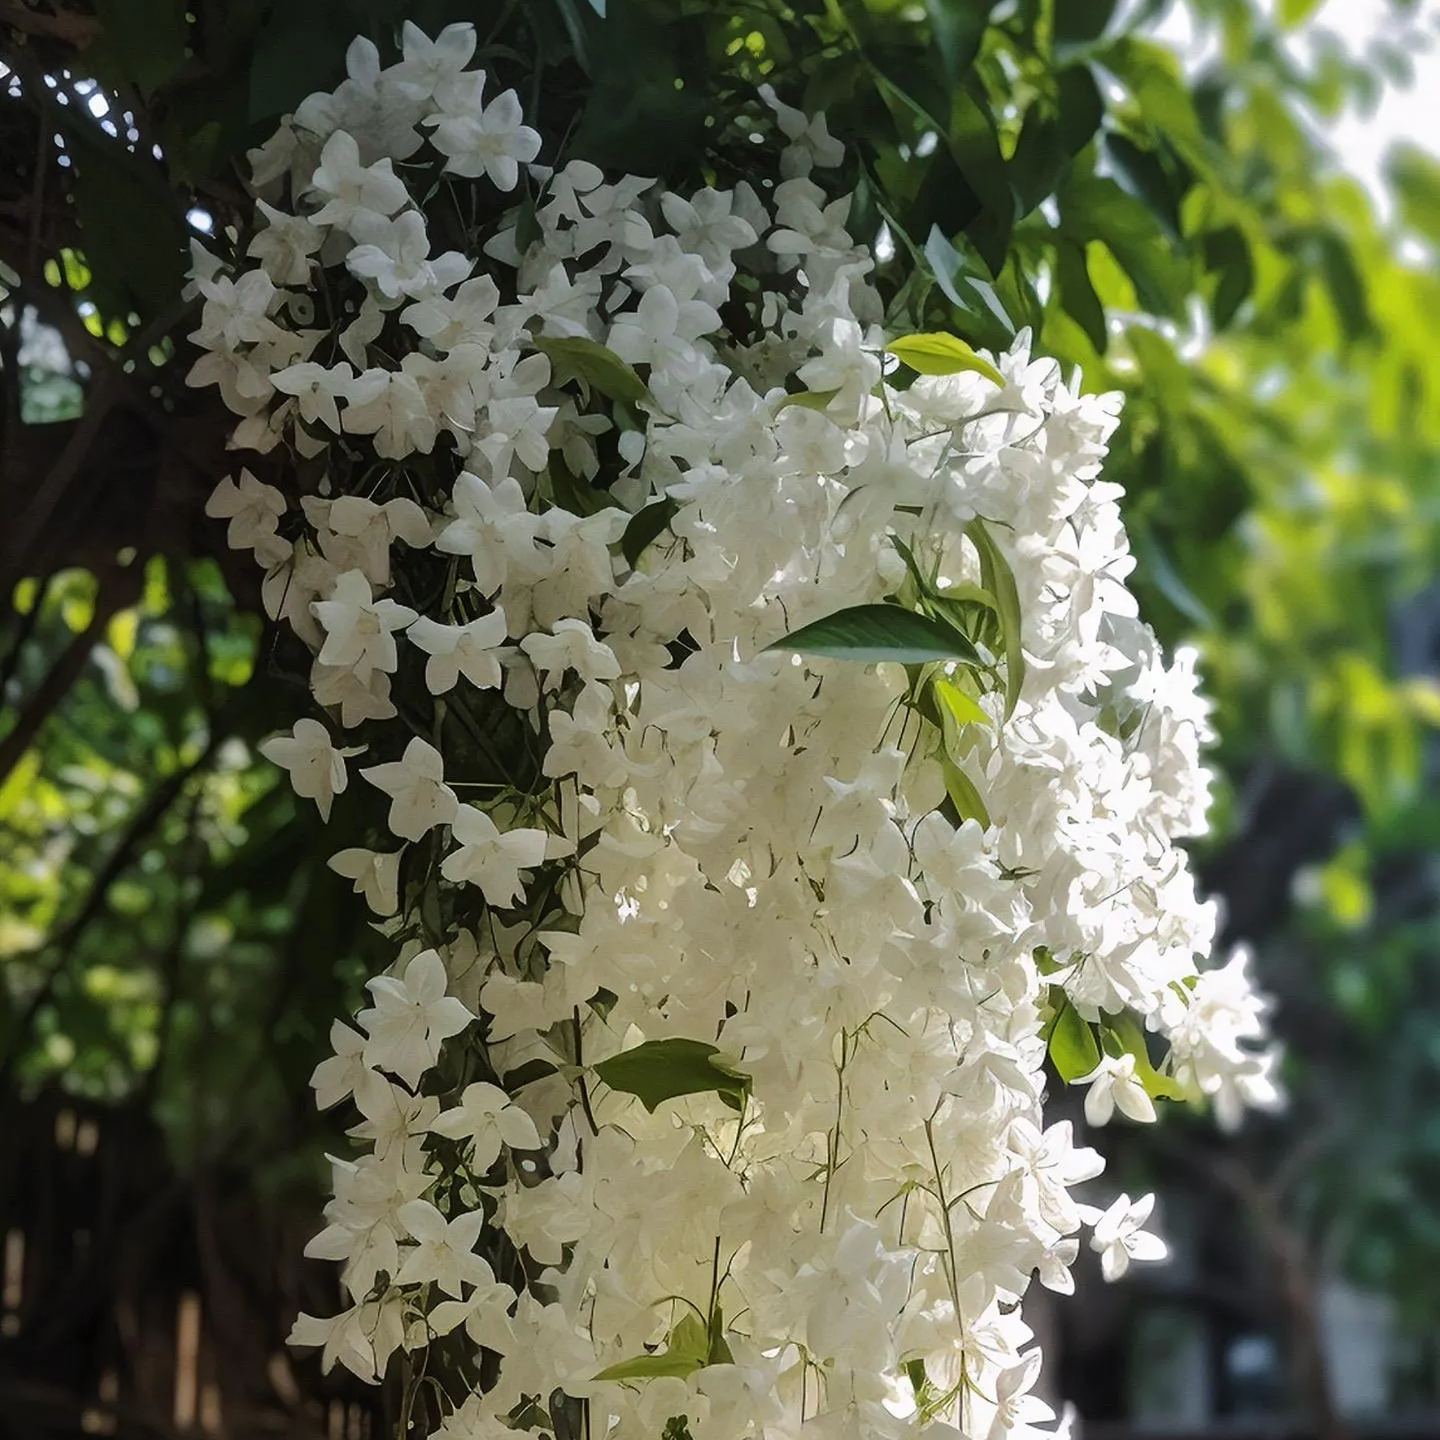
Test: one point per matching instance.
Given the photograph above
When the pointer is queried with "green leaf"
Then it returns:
(939, 354)
(956, 29)
(1077, 294)
(1228, 255)
(809, 399)
(662, 1070)
(572, 493)
(957, 272)
(964, 796)
(644, 527)
(688, 1351)
(141, 42)
(1295, 12)
(964, 709)
(1079, 23)
(575, 357)
(1073, 1050)
(997, 577)
(873, 633)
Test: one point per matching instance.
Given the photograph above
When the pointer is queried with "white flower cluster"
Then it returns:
(759, 819)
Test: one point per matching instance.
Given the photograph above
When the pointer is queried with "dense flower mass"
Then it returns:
(773, 771)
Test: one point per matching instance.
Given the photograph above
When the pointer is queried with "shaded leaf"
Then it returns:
(578, 358)
(662, 1070)
(645, 525)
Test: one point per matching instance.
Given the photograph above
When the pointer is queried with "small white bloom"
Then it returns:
(1114, 1085)
(1118, 1238)
(571, 645)
(335, 1078)
(487, 1117)
(419, 797)
(491, 858)
(410, 1018)
(317, 768)
(491, 140)
(375, 873)
(359, 629)
(473, 650)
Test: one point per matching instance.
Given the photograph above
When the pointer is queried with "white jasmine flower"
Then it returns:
(252, 508)
(1118, 1239)
(335, 1078)
(473, 650)
(376, 876)
(317, 768)
(419, 797)
(492, 859)
(410, 1017)
(1114, 1085)
(359, 629)
(349, 189)
(488, 140)
(487, 1118)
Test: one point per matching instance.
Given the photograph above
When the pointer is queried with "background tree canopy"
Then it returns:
(171, 937)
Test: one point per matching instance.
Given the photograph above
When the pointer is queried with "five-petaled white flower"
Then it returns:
(491, 141)
(317, 768)
(444, 1252)
(492, 858)
(376, 875)
(1114, 1085)
(1118, 1239)
(253, 510)
(359, 629)
(571, 645)
(337, 1076)
(473, 650)
(487, 1117)
(419, 797)
(411, 1015)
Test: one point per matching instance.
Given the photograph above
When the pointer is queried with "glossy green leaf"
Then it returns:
(645, 527)
(687, 1352)
(873, 633)
(963, 708)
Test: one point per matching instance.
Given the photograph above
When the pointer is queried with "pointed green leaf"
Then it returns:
(644, 527)
(963, 709)
(808, 400)
(997, 577)
(573, 356)
(1073, 1050)
(938, 354)
(964, 795)
(688, 1351)
(661, 1070)
(872, 633)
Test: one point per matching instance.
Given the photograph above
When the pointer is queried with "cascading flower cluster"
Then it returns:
(776, 768)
